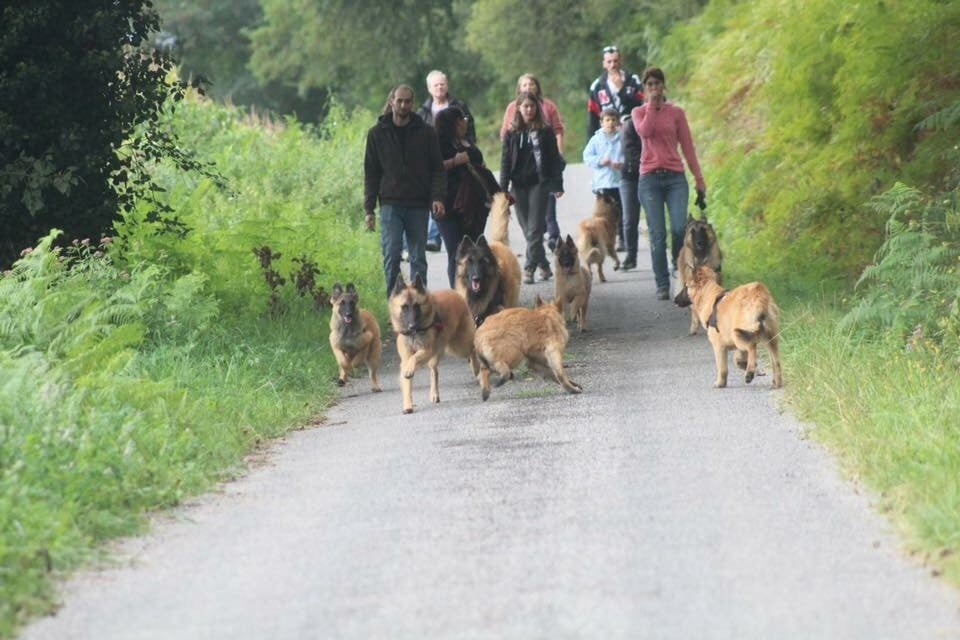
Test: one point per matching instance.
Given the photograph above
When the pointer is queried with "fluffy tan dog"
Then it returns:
(537, 335)
(488, 277)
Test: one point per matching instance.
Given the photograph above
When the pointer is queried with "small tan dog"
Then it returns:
(598, 235)
(428, 325)
(573, 282)
(738, 319)
(538, 335)
(354, 335)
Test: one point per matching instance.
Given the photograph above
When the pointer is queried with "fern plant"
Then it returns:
(912, 286)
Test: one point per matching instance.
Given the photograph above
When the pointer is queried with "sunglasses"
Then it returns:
(611, 49)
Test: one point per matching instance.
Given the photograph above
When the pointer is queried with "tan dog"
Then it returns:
(427, 326)
(354, 335)
(738, 319)
(598, 235)
(488, 277)
(538, 335)
(700, 247)
(573, 283)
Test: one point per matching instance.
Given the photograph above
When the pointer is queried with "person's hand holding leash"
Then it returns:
(702, 199)
(371, 221)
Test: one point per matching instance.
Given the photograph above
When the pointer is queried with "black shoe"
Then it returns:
(552, 244)
(663, 293)
(628, 264)
(528, 277)
(545, 273)
(433, 247)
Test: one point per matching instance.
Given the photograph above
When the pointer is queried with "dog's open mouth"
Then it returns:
(347, 318)
(475, 285)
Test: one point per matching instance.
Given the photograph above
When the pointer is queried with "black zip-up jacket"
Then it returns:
(407, 174)
(546, 170)
(632, 147)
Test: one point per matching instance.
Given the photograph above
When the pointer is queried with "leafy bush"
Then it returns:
(142, 369)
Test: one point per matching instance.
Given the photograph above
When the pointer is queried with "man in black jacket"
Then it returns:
(403, 169)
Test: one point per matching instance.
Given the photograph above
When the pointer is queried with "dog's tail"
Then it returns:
(766, 326)
(500, 219)
(588, 247)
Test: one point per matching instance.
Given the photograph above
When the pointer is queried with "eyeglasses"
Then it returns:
(611, 49)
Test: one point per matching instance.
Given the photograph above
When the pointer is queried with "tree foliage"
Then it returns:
(74, 83)
(806, 111)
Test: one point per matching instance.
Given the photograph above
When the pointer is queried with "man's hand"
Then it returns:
(371, 220)
(439, 211)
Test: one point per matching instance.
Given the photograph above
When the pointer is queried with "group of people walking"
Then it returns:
(425, 166)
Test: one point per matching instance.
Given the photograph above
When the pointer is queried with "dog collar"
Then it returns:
(713, 316)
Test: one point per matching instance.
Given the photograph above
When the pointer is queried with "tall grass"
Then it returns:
(881, 378)
(141, 371)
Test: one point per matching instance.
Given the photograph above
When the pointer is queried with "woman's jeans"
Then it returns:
(655, 190)
(397, 223)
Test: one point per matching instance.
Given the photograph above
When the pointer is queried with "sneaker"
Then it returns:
(628, 264)
(528, 277)
(433, 247)
(663, 293)
(552, 244)
(545, 273)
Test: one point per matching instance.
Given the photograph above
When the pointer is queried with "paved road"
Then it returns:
(650, 506)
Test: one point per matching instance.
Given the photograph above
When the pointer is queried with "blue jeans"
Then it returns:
(433, 232)
(656, 190)
(631, 216)
(399, 224)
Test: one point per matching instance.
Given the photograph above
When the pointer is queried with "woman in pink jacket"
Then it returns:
(662, 127)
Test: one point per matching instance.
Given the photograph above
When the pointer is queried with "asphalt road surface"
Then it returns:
(650, 506)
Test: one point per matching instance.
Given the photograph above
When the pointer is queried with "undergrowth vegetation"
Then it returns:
(142, 369)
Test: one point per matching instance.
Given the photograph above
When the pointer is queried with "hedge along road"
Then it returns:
(650, 506)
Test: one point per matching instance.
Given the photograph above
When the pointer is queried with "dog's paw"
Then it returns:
(376, 389)
(407, 410)
(484, 394)
(408, 373)
(341, 382)
(574, 388)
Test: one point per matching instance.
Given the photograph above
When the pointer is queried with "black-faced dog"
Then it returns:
(488, 277)
(700, 247)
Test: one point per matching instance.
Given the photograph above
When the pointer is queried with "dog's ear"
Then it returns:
(537, 301)
(463, 247)
(337, 292)
(481, 241)
(399, 285)
(351, 289)
(418, 284)
(569, 239)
